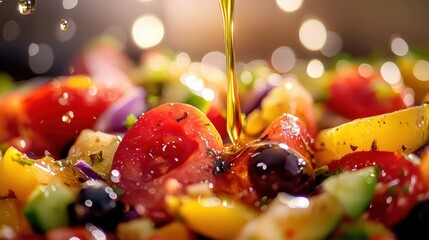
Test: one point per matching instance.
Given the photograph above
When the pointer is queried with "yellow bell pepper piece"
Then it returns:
(20, 175)
(401, 131)
(214, 217)
(17, 175)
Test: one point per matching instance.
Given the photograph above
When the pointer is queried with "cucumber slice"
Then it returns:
(290, 217)
(46, 207)
(354, 190)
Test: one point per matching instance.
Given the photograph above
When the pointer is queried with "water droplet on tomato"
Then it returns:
(63, 100)
(26, 7)
(67, 118)
(115, 176)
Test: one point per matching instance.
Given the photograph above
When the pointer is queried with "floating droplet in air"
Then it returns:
(26, 7)
(64, 24)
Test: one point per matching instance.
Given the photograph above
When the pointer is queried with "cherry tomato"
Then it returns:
(57, 111)
(172, 141)
(355, 95)
(398, 188)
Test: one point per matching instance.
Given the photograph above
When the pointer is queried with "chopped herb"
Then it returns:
(185, 115)
(119, 191)
(23, 160)
(374, 146)
(130, 121)
(95, 158)
(405, 189)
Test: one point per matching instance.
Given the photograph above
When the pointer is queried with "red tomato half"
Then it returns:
(398, 188)
(172, 141)
(354, 95)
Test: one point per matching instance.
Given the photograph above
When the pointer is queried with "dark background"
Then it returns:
(195, 26)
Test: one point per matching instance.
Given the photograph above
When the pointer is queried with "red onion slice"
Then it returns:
(112, 120)
(87, 171)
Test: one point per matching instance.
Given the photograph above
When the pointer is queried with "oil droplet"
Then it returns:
(64, 24)
(26, 7)
(67, 118)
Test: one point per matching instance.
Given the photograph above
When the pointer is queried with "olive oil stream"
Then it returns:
(233, 114)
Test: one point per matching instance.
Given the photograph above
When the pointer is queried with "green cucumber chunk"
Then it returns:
(290, 217)
(354, 190)
(46, 207)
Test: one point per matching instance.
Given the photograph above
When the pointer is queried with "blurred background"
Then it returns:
(45, 41)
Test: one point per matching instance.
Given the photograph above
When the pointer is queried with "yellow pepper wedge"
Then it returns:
(17, 175)
(214, 217)
(20, 175)
(400, 131)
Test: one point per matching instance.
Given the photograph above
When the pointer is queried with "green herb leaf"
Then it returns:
(130, 121)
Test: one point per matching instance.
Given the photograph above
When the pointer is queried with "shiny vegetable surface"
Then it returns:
(401, 131)
(171, 141)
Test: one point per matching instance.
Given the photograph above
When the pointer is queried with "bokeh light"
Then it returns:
(333, 45)
(70, 4)
(399, 46)
(390, 73)
(365, 70)
(11, 30)
(315, 68)
(312, 34)
(41, 58)
(421, 70)
(147, 31)
(283, 59)
(289, 5)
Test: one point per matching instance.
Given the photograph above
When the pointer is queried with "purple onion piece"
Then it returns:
(255, 100)
(87, 170)
(112, 120)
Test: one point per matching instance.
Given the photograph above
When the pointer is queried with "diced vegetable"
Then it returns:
(17, 174)
(141, 228)
(46, 207)
(111, 120)
(20, 174)
(354, 190)
(375, 133)
(96, 149)
(12, 217)
(218, 218)
(291, 217)
(288, 97)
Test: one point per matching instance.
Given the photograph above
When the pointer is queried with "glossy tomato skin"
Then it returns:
(172, 141)
(356, 95)
(290, 130)
(398, 188)
(56, 112)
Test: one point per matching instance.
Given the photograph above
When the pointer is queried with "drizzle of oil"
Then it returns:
(64, 24)
(26, 7)
(233, 110)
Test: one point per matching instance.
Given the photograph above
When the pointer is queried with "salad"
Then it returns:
(119, 150)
